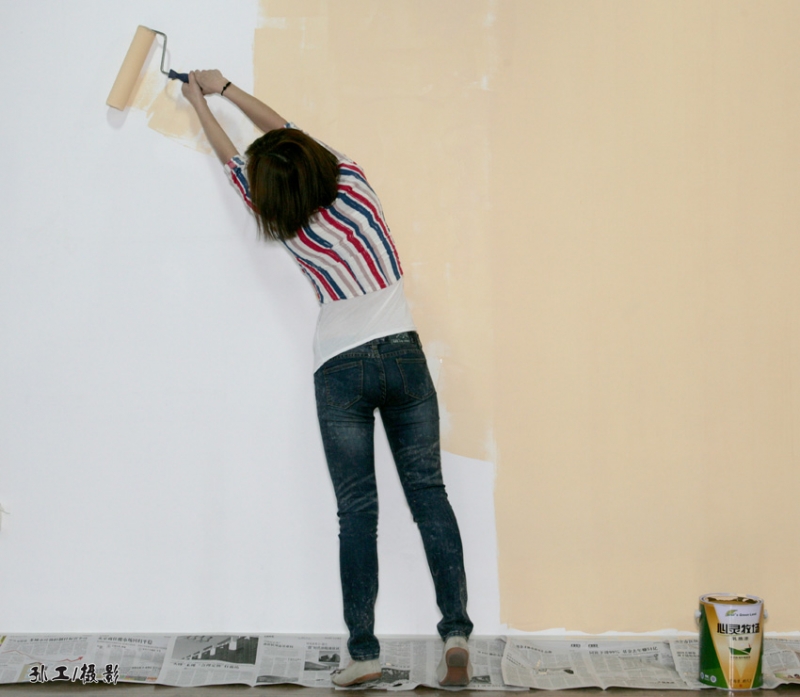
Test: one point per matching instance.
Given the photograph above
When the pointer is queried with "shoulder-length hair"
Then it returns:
(291, 176)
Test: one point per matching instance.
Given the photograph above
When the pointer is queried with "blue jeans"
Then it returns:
(389, 374)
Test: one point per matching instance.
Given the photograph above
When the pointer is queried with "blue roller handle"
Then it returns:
(183, 77)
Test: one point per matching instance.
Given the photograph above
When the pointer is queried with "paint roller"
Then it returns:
(132, 66)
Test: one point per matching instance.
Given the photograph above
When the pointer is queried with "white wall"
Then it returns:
(159, 453)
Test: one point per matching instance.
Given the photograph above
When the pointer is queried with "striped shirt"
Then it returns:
(345, 249)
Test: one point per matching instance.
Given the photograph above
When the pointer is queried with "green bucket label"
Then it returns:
(731, 644)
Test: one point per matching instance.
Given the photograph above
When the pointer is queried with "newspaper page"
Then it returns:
(136, 658)
(781, 663)
(45, 658)
(545, 664)
(510, 663)
(323, 654)
(407, 662)
(559, 664)
(299, 660)
(647, 665)
(210, 660)
(686, 654)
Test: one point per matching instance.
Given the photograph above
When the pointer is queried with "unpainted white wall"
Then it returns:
(159, 453)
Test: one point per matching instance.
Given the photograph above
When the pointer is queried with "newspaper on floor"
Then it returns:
(299, 660)
(686, 654)
(559, 664)
(210, 659)
(138, 658)
(267, 659)
(781, 662)
(39, 658)
(500, 663)
(407, 662)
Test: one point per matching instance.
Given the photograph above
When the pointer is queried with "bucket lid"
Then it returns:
(730, 599)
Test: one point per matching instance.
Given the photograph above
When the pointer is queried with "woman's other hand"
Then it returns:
(192, 90)
(210, 81)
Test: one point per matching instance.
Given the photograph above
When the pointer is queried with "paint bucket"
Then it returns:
(731, 641)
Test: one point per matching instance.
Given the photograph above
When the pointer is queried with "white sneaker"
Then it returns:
(455, 668)
(356, 673)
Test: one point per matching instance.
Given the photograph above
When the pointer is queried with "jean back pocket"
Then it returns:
(417, 381)
(344, 384)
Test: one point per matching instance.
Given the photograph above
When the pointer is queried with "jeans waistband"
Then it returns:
(401, 338)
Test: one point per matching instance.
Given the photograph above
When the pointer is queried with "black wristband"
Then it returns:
(227, 85)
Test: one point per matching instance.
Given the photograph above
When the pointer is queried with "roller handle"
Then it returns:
(183, 77)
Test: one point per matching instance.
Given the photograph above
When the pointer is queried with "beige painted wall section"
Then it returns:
(401, 88)
(596, 207)
(648, 394)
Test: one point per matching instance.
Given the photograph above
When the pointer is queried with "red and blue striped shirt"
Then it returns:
(345, 249)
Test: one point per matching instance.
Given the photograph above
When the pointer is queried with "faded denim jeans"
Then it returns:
(389, 374)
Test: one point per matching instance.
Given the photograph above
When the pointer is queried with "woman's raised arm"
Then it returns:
(264, 117)
(223, 147)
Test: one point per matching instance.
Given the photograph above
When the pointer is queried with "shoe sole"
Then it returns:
(456, 661)
(369, 677)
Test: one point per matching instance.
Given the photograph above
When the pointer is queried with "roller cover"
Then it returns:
(131, 67)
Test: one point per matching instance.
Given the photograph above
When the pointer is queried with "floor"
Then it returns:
(128, 690)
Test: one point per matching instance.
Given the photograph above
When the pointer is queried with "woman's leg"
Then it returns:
(346, 421)
(411, 418)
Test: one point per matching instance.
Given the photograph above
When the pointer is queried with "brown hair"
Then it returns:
(291, 176)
